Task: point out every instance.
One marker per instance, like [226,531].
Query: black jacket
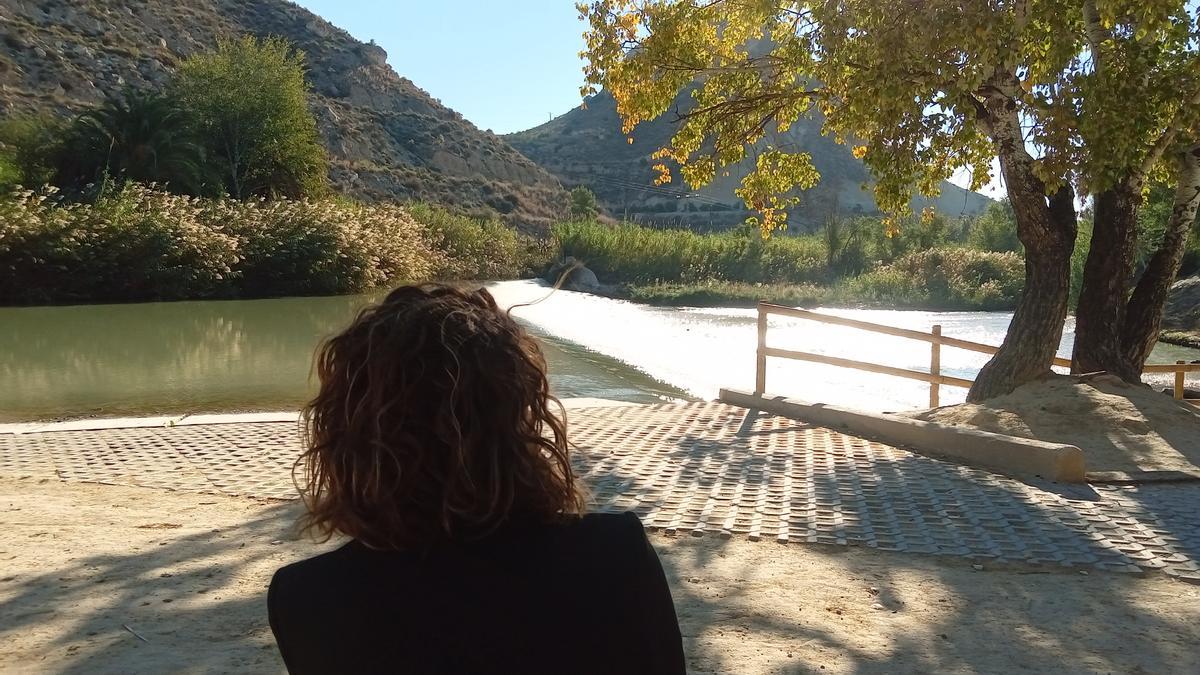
[589,596]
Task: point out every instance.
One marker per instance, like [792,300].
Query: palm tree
[138,136]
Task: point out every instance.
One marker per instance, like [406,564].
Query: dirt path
[188,573]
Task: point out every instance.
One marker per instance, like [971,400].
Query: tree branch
[1094,30]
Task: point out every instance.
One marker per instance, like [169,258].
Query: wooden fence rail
[936,340]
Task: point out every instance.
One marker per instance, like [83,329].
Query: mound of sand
[1120,427]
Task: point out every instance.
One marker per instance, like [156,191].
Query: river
[216,356]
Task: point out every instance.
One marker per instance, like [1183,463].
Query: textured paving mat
[713,468]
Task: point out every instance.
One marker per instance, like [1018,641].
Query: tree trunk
[1036,329]
[1143,316]
[1047,229]
[1106,279]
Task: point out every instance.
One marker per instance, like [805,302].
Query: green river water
[224,356]
[214,356]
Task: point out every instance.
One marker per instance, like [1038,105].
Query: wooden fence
[936,341]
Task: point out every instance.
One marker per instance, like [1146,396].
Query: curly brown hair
[433,423]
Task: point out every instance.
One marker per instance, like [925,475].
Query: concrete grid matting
[712,468]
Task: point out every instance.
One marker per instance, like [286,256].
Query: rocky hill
[586,147]
[1182,312]
[387,138]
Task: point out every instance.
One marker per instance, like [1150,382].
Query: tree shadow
[1036,618]
[1029,608]
[996,620]
[149,611]
[1182,437]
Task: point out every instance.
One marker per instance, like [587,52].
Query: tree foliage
[583,204]
[1093,97]
[1153,222]
[250,102]
[995,230]
[137,136]
[29,146]
[906,83]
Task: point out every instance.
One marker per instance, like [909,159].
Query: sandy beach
[102,578]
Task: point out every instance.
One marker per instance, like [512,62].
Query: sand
[89,568]
[1120,427]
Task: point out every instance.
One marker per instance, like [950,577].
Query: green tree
[1153,221]
[995,229]
[9,176]
[138,136]
[583,204]
[28,148]
[250,101]
[1091,96]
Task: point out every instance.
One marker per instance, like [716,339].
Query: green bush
[732,294]
[29,147]
[583,204]
[945,278]
[635,254]
[470,248]
[137,137]
[1083,242]
[995,229]
[10,176]
[323,247]
[249,99]
[137,244]
[143,244]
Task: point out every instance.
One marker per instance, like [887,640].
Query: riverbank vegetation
[139,244]
[933,263]
[970,263]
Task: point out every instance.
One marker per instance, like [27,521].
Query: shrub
[995,229]
[945,278]
[583,204]
[323,247]
[137,136]
[29,147]
[10,175]
[136,244]
[635,254]
[1083,243]
[250,102]
[470,248]
[143,244]
[732,294]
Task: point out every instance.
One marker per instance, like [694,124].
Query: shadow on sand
[198,597]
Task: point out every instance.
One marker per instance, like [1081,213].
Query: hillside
[586,147]
[387,138]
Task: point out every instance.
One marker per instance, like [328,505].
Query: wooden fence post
[935,366]
[1179,380]
[760,371]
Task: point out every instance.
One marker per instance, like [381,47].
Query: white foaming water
[702,350]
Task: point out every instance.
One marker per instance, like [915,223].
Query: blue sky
[506,65]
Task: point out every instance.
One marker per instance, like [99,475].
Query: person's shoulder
[317,567]
[612,532]
[616,524]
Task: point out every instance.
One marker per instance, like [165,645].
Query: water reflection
[180,357]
